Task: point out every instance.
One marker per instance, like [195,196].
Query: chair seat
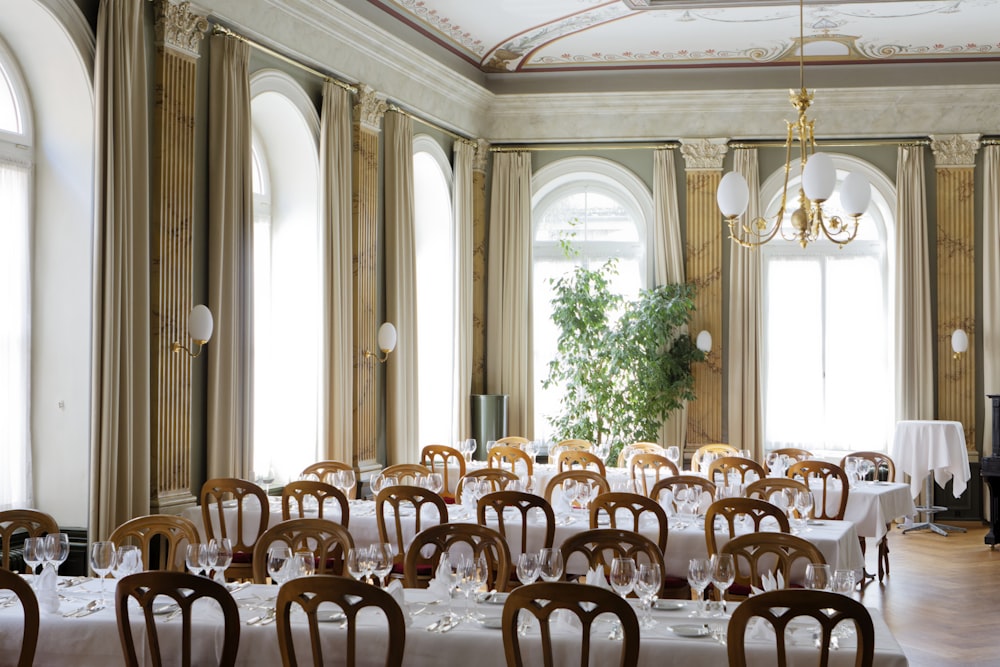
[422,570]
[242,557]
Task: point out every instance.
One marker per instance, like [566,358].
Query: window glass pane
[587,215]
[10,117]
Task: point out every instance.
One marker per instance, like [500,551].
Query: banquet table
[93,640]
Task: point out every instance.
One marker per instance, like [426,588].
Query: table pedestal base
[929,511]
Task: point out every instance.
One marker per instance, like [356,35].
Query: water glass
[359,563]
[804,505]
[56,549]
[278,563]
[195,556]
[33,552]
[527,567]
[102,559]
[699,576]
[623,574]
[723,575]
[303,565]
[434,482]
[843,581]
[648,581]
[550,564]
[818,576]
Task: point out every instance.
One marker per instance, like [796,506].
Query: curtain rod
[837,143]
[513,148]
[409,114]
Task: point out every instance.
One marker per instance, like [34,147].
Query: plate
[331,618]
[689,630]
[813,522]
[161,609]
[668,605]
[492,622]
[498,598]
[230,503]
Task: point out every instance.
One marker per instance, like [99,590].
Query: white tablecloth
[922,447]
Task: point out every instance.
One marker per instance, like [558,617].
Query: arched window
[287,295]
[827,378]
[434,238]
[604,211]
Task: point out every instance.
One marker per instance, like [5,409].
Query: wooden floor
[942,597]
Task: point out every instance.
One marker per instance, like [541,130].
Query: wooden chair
[506,457]
[724,466]
[576,443]
[825,472]
[406,473]
[570,458]
[636,507]
[330,543]
[398,497]
[766,488]
[585,476]
[644,463]
[668,483]
[184,589]
[351,597]
[880,461]
[794,452]
[758,553]
[294,495]
[497,477]
[11,581]
[778,608]
[164,535]
[325,470]
[600,546]
[425,551]
[32,522]
[717,448]
[638,448]
[512,440]
[441,458]
[730,509]
[215,494]
[585,602]
[523,503]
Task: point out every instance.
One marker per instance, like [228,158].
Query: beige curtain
[338,376]
[914,334]
[745,324]
[401,399]
[508,296]
[991,282]
[119,466]
[230,268]
[462,208]
[668,262]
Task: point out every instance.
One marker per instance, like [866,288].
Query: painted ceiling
[518,36]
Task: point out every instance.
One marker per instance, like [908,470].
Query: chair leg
[883,556]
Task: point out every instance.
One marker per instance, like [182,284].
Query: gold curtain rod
[409,114]
[512,148]
[834,143]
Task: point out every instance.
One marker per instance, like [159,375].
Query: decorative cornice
[370,108]
[703,154]
[178,28]
[954,150]
[481,155]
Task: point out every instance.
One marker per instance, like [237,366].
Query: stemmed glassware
[570,492]
[199,558]
[648,581]
[818,576]
[550,564]
[865,468]
[128,560]
[345,481]
[472,574]
[674,454]
[434,482]
[56,549]
[527,567]
[699,576]
[360,564]
[278,563]
[723,575]
[804,505]
[267,479]
[382,558]
[33,553]
[223,557]
[102,559]
[303,565]
[622,580]
[468,449]
[531,449]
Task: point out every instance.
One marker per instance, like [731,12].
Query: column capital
[178,28]
[481,155]
[704,154]
[370,108]
[954,150]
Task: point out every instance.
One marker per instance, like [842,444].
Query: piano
[990,471]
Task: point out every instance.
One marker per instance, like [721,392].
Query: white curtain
[745,324]
[338,364]
[914,334]
[991,283]
[508,301]
[119,465]
[668,262]
[401,398]
[15,338]
[462,207]
[230,268]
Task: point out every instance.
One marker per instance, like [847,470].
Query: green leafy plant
[622,366]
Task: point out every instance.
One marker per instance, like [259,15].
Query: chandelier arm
[835,236]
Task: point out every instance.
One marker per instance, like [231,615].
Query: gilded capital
[481,155]
[955,150]
[179,28]
[703,154]
[370,108]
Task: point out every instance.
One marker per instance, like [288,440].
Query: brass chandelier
[819,179]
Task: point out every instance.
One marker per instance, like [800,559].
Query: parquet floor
[942,598]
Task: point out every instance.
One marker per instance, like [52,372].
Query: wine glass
[56,549]
[723,574]
[267,479]
[818,576]
[527,567]
[303,564]
[469,449]
[674,454]
[865,468]
[33,553]
[345,481]
[383,558]
[102,559]
[804,505]
[128,560]
[569,492]
[623,574]
[434,482]
[223,558]
[360,563]
[531,449]
[278,563]
[195,556]
[699,576]
[647,585]
[851,469]
[550,564]
[471,577]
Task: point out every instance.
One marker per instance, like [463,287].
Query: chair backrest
[723,467]
[165,535]
[216,494]
[514,440]
[351,597]
[11,581]
[32,522]
[427,546]
[638,448]
[826,473]
[600,546]
[184,590]
[756,554]
[768,487]
[576,443]
[716,448]
[644,464]
[524,503]
[569,459]
[778,608]
[324,471]
[637,507]
[668,483]
[406,473]
[585,602]
[497,477]
[555,482]
[507,457]
[441,458]
[398,498]
[794,452]
[752,509]
[880,461]
[330,543]
[296,495]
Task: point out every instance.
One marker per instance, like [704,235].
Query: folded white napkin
[595,577]
[706,500]
[440,585]
[559,504]
[395,589]
[45,589]
[666,501]
[769,582]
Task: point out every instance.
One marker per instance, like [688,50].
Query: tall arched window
[604,211]
[827,379]
[434,238]
[287,296]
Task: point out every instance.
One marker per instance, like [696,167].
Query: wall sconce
[704,341]
[386,342]
[200,325]
[959,343]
